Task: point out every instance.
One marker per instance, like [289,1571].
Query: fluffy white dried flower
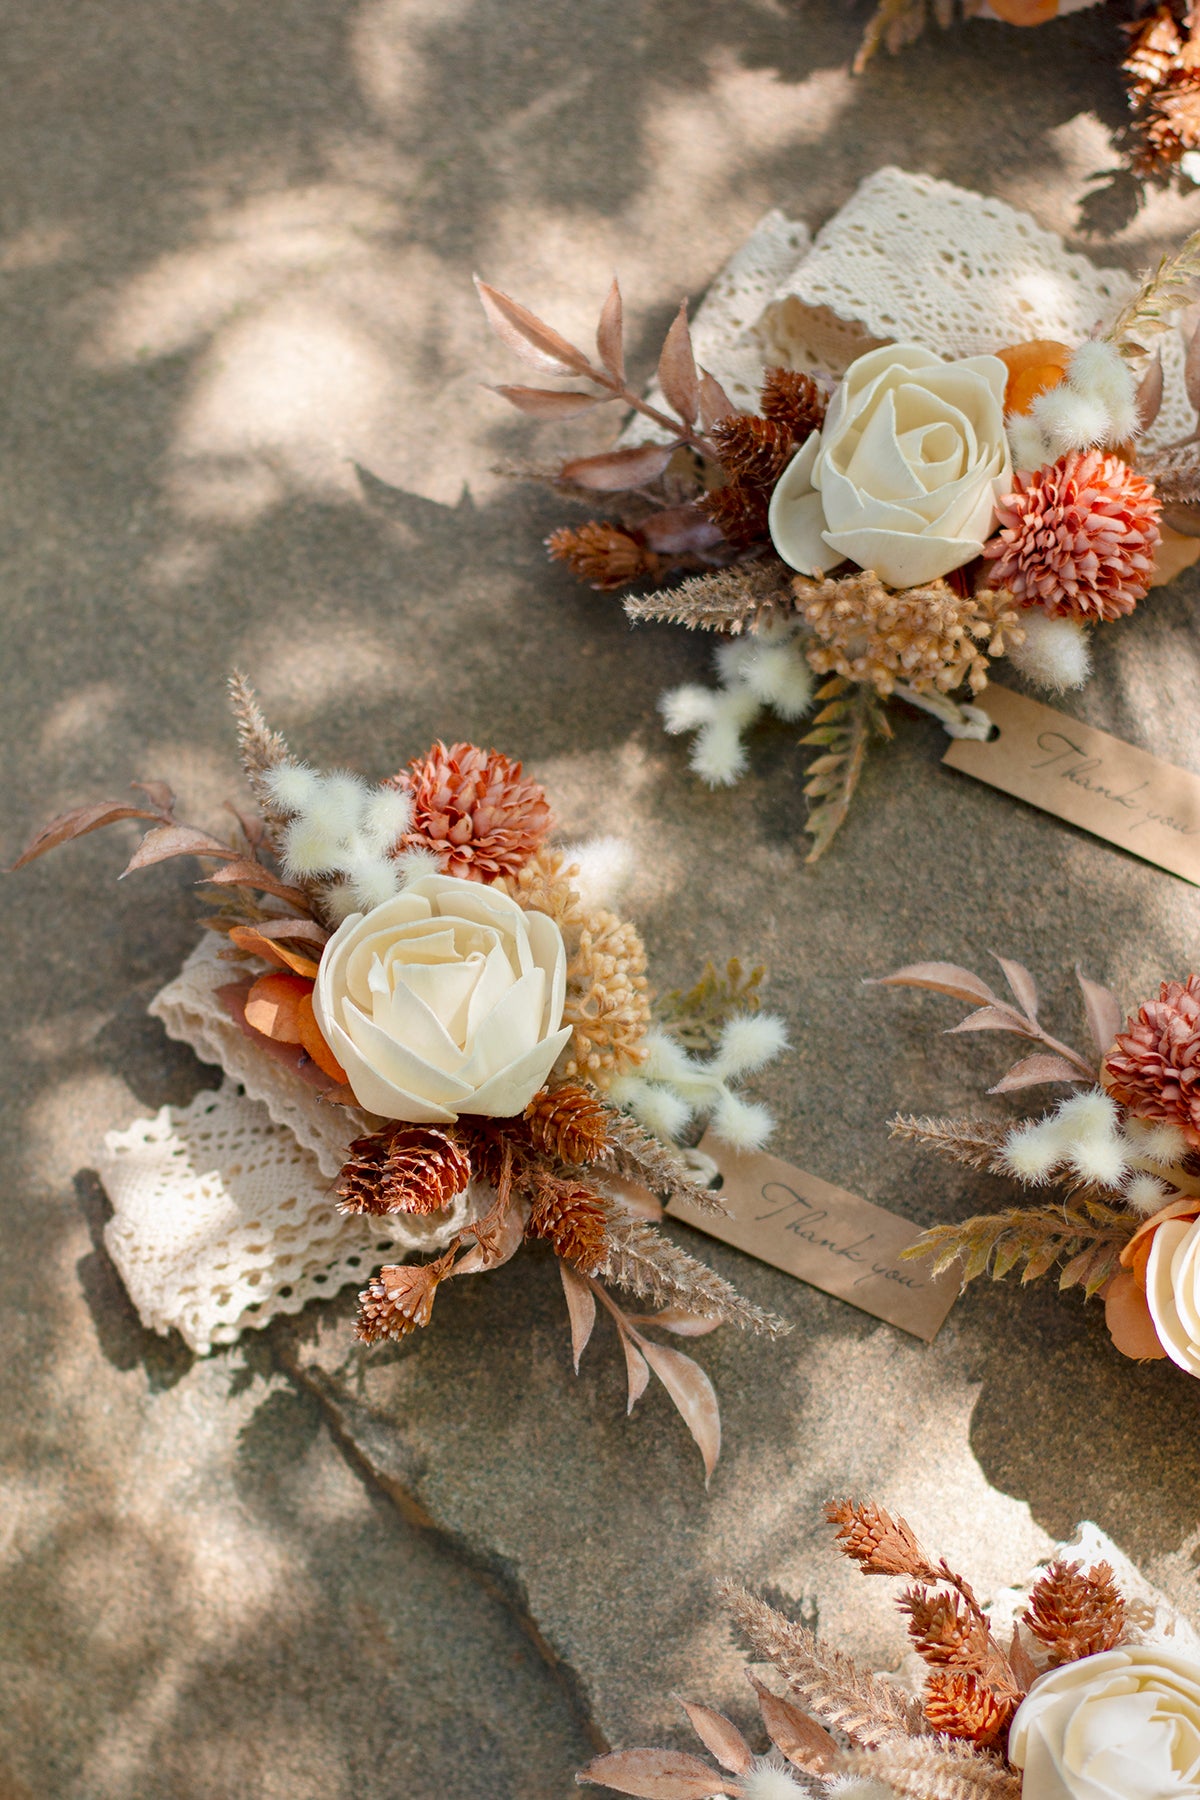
[291,785]
[1159,1142]
[1055,653]
[746,1124]
[769,1779]
[1145,1194]
[1099,369]
[747,1042]
[385,817]
[603,867]
[686,708]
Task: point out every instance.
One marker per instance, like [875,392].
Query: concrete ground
[241,423]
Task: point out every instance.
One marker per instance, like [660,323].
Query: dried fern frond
[643,1262]
[745,597]
[869,1710]
[976,1143]
[638,1155]
[844,727]
[1034,1238]
[1152,309]
[935,1768]
[697,1016]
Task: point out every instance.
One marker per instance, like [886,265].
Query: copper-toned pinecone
[602,555]
[489,1143]
[794,401]
[1076,1614]
[965,1707]
[1154,1066]
[943,1629]
[399,1299]
[571,1218]
[568,1122]
[403,1168]
[880,1544]
[1169,124]
[753,451]
[738,512]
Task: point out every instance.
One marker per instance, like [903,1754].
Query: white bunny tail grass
[1056,653]
[748,1041]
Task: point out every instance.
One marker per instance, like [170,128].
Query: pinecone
[1170,123]
[1154,47]
[881,1544]
[602,555]
[1076,1614]
[944,1630]
[794,401]
[485,1141]
[399,1299]
[739,513]
[965,1707]
[568,1122]
[402,1168]
[571,1218]
[753,451]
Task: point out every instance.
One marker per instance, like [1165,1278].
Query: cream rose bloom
[1173,1290]
[447,999]
[1124,1725]
[904,475]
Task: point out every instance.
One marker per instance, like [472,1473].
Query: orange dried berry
[1033,369]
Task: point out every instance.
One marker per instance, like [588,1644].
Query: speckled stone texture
[241,423]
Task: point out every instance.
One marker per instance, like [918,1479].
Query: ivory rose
[1173,1290]
[1124,1725]
[904,475]
[444,1000]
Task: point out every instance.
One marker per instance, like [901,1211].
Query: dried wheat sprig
[260,749]
[976,1143]
[868,1710]
[742,598]
[1085,1234]
[1150,312]
[638,1155]
[645,1263]
[935,1768]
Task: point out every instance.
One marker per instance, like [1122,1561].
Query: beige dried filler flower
[926,637]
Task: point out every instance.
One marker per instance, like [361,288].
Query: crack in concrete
[496,1576]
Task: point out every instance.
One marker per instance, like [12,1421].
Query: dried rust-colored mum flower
[402,1168]
[608,1000]
[475,810]
[569,1123]
[1154,1066]
[753,451]
[739,513]
[929,637]
[1078,537]
[795,400]
[399,1299]
[602,555]
[1076,1613]
[963,1706]
[571,1218]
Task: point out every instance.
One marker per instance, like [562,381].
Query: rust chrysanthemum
[475,810]
[1077,537]
[1154,1066]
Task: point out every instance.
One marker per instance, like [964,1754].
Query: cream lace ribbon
[223,1213]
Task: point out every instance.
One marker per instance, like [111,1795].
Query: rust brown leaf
[1150,389]
[77,823]
[637,1371]
[941,978]
[1022,984]
[678,375]
[1020,1661]
[533,340]
[653,1775]
[720,1736]
[166,841]
[680,529]
[1103,1011]
[550,403]
[1034,1069]
[1000,1017]
[715,404]
[256,943]
[299,931]
[504,1243]
[581,1309]
[244,873]
[158,793]
[804,1742]
[675,1319]
[610,334]
[693,1395]
[615,470]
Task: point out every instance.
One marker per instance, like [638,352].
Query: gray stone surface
[235,249]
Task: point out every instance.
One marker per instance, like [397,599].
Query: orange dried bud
[1033,369]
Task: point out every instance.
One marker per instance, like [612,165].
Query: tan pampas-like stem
[638,1155]
[869,1710]
[260,748]
[742,598]
[976,1143]
[643,1262]
[935,1769]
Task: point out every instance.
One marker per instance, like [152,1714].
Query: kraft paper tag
[1088,778]
[834,1240]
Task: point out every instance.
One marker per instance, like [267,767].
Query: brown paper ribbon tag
[836,1241]
[1088,778]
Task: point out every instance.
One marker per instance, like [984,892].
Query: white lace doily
[914,259]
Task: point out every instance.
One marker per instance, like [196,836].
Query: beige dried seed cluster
[927,637]
[608,999]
